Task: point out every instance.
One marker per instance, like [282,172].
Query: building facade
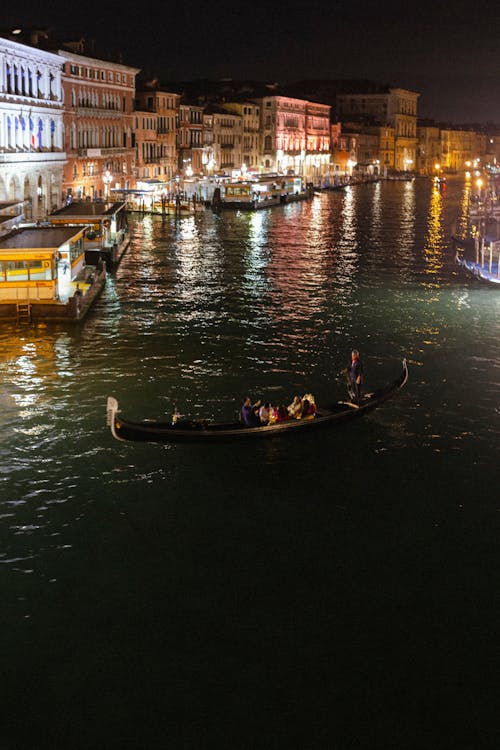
[250,114]
[98,99]
[165,106]
[147,146]
[394,107]
[227,140]
[190,140]
[32,153]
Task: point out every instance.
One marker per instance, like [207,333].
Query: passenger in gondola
[295,408]
[250,413]
[308,405]
[264,413]
[355,372]
[282,414]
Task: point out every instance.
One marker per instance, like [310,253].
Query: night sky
[447,51]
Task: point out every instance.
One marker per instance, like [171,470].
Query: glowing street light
[106,178]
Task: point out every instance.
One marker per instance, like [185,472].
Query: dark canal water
[336,590]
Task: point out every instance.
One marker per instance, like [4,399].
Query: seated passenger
[264,413]
[282,414]
[273,414]
[311,405]
[249,413]
[295,408]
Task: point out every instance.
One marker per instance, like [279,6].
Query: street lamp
[107,177]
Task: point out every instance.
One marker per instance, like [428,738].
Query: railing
[33,156]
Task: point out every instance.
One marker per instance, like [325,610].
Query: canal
[338,589]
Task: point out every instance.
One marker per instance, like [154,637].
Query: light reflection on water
[206,308]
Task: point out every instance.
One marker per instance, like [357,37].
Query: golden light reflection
[433,249]
[407,228]
[463,211]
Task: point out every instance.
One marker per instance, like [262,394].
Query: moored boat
[201,430]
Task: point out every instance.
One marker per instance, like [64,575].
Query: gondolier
[355,372]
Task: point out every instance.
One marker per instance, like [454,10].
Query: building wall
[227,141]
[250,113]
[165,104]
[31,128]
[190,140]
[98,99]
[394,107]
[147,160]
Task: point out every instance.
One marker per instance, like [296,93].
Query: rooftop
[38,238]
[87,210]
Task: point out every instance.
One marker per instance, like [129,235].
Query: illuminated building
[295,137]
[31,127]
[165,106]
[227,129]
[429,150]
[190,140]
[457,147]
[147,146]
[344,153]
[98,99]
[250,114]
[386,106]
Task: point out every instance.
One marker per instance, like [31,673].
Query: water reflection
[406,234]
[434,241]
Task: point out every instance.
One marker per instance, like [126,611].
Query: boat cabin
[40,263]
[106,222]
[265,190]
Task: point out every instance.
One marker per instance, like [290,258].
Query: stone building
[386,106]
[295,136]
[250,114]
[98,97]
[190,140]
[165,106]
[429,150]
[31,127]
[227,130]
[147,146]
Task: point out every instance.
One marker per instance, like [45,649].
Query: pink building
[295,137]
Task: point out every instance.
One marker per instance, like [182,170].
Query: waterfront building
[190,140]
[147,147]
[459,149]
[208,156]
[317,156]
[428,150]
[295,136]
[98,99]
[344,153]
[164,105]
[386,106]
[283,134]
[250,114]
[31,128]
[227,128]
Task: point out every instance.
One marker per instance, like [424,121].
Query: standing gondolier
[355,373]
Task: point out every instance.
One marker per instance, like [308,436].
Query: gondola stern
[111,412]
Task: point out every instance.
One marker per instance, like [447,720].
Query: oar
[350,390]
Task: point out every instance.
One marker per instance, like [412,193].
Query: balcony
[94,153]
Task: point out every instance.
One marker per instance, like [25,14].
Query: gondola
[200,430]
